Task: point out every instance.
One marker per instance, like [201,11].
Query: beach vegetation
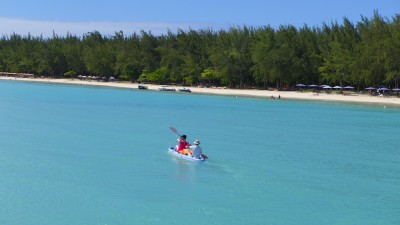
[158,76]
[70,74]
[210,76]
[363,53]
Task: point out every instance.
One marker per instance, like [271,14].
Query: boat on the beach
[143,87]
[189,157]
[166,88]
[184,90]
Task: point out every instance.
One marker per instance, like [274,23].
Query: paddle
[173,129]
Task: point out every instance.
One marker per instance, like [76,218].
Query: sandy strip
[352,98]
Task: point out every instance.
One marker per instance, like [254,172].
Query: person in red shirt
[183,144]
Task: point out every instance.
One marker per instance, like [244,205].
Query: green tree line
[366,53]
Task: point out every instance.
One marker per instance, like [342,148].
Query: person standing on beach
[183,144]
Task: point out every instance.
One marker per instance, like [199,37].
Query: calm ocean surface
[94,156]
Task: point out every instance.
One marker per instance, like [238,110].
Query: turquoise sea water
[85,155]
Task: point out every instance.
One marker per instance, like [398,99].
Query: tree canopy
[366,53]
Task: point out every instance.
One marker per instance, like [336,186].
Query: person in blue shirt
[196,149]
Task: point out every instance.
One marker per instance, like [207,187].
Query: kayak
[166,88]
[172,151]
[184,90]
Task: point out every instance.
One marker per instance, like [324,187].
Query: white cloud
[61,28]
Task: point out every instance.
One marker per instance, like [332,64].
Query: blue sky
[81,16]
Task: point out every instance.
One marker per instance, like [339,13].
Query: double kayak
[172,151]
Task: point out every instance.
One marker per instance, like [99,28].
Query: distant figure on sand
[273,97]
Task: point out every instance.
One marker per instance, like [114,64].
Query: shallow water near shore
[86,155]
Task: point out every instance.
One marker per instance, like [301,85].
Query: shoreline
[294,95]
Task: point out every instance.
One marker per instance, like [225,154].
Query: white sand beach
[349,97]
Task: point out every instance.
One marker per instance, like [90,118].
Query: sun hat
[196,142]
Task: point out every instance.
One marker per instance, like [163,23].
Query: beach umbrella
[337,87]
[300,85]
[383,89]
[348,87]
[312,85]
[397,90]
[326,87]
[370,88]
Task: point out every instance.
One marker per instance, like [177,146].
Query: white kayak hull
[172,151]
